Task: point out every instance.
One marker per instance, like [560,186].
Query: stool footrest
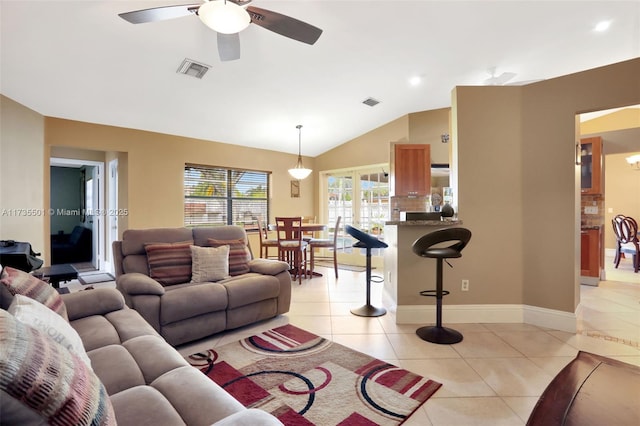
[439,335]
[433,293]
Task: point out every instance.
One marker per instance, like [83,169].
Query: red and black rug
[304,379]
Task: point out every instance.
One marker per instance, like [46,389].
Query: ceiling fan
[228,18]
[497,80]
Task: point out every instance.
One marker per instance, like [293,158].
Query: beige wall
[622,193]
[155,167]
[22,162]
[518,183]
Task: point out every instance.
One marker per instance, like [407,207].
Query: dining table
[305,228]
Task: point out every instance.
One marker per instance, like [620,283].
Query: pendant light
[299,171]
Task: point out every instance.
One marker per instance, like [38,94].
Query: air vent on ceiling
[193,68]
[371,102]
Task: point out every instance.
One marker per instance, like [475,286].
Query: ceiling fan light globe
[224,17]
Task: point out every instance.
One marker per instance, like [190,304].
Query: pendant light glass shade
[299,171]
[223,16]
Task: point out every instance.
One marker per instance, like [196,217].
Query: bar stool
[430,245]
[368,242]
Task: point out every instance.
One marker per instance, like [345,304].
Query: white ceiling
[78,60]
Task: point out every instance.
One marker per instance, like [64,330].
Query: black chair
[433,245]
[368,242]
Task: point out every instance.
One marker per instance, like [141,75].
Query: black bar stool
[430,245]
[368,242]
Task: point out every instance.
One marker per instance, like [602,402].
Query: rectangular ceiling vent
[371,102]
[193,68]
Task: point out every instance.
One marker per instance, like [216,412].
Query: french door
[361,197]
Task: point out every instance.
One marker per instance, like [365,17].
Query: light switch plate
[591,210]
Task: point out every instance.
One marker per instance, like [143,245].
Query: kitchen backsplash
[593,203]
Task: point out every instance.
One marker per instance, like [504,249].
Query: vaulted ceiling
[78,60]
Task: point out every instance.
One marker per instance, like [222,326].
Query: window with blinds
[216,196]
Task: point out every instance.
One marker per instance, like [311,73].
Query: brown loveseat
[145,380]
[183,311]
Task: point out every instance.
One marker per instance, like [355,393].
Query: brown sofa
[185,311]
[147,381]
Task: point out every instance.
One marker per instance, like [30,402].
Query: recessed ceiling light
[414,81]
[602,26]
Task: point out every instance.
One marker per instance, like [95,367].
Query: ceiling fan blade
[284,25]
[229,46]
[159,13]
[500,79]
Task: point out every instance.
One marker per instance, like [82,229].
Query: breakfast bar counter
[406,274]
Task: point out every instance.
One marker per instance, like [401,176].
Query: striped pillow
[20,282]
[239,255]
[47,380]
[169,263]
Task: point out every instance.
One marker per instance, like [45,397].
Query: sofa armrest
[268,266]
[98,301]
[137,283]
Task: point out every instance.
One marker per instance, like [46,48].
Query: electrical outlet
[465,285]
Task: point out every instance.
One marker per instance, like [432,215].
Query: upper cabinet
[591,165]
[412,168]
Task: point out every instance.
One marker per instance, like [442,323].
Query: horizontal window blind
[216,196]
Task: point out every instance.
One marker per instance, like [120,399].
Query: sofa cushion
[157,409]
[169,263]
[36,315]
[190,300]
[20,282]
[116,367]
[239,255]
[250,288]
[209,263]
[49,379]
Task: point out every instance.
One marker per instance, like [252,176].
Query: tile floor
[495,375]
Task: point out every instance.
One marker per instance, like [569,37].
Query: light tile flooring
[495,375]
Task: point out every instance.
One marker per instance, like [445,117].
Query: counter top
[424,222]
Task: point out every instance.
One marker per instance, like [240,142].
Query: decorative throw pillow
[20,282]
[48,379]
[209,263]
[239,255]
[38,316]
[169,263]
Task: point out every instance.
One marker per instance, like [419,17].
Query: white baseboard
[457,314]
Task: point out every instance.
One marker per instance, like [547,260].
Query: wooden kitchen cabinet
[590,255]
[591,165]
[412,168]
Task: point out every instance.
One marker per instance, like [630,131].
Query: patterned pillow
[239,255]
[209,263]
[169,263]
[20,282]
[38,316]
[48,379]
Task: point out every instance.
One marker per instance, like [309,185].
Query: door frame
[98,238]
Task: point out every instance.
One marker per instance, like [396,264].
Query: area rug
[95,278]
[304,379]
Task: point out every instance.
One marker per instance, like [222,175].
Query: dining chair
[625,229]
[291,247]
[265,241]
[327,243]
[308,235]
